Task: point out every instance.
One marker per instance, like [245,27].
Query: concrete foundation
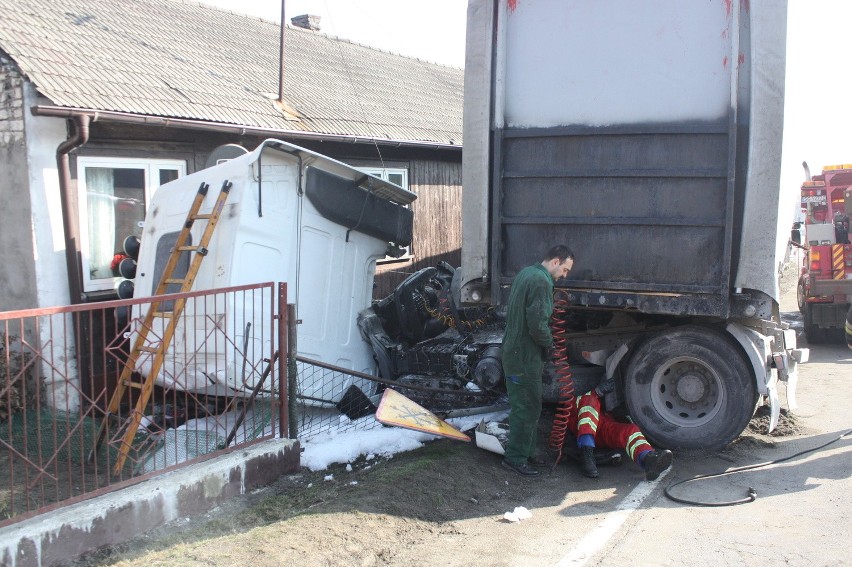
[64,534]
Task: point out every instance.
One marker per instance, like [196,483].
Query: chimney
[306,21]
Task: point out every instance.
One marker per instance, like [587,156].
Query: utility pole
[281,58]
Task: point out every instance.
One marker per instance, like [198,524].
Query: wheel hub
[687,392]
[690,387]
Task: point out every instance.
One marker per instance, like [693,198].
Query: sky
[817,117]
[432,30]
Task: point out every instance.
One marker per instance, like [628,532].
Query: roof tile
[182,59]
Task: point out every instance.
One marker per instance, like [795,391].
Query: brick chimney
[306,21]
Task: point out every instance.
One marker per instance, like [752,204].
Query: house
[102,102]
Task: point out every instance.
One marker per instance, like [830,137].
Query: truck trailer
[647,138]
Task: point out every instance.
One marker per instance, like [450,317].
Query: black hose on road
[752,493]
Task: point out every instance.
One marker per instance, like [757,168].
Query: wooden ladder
[158,347]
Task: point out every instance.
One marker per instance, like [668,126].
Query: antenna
[281,57]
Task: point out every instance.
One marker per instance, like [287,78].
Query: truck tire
[813,333]
[800,296]
[690,388]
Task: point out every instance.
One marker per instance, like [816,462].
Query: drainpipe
[69,217]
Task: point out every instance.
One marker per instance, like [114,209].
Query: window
[397,176]
[113,195]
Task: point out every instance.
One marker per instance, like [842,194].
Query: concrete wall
[43,137]
[60,536]
[45,257]
[17,277]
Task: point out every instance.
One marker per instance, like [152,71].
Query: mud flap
[774,407]
[788,371]
[792,379]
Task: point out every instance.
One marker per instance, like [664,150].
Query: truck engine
[449,356]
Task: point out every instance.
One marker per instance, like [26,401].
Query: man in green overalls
[525,346]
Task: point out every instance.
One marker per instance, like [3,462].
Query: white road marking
[603,532]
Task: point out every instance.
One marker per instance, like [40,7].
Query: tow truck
[824,292]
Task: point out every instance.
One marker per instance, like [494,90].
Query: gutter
[131,118]
[69,216]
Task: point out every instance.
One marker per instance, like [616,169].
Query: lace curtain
[100,199]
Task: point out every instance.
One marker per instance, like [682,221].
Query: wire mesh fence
[328,399]
[219,388]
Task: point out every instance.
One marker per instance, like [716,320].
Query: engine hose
[565,384]
[442,314]
[445,315]
[752,493]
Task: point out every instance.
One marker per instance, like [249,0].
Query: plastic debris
[518,514]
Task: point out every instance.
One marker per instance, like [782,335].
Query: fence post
[291,369]
[283,357]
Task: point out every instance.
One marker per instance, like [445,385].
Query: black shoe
[588,465]
[522,469]
[656,462]
[537,462]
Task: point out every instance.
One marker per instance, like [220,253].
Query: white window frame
[384,173]
[152,182]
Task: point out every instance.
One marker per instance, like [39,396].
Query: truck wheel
[690,388]
[800,296]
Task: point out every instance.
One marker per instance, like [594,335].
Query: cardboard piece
[396,409]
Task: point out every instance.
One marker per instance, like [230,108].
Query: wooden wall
[437,222]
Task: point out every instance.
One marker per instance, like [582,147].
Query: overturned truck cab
[294,216]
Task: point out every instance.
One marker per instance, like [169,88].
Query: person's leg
[525,409]
[588,417]
[616,434]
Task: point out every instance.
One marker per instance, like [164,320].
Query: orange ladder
[157,347]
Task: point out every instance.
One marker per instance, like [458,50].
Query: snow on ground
[328,448]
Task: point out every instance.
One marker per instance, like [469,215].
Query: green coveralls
[524,345]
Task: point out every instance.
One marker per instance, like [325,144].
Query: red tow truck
[825,286]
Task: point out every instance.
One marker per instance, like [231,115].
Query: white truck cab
[293,216]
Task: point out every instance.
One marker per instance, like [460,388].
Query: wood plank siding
[437,222]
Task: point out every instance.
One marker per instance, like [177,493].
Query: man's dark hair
[559,251]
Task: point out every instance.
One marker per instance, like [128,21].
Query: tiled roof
[181,59]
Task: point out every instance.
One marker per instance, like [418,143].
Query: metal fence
[325,398]
[219,388]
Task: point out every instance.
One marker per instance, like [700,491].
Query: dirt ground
[385,512]
[441,504]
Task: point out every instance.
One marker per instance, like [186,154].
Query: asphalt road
[802,512]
